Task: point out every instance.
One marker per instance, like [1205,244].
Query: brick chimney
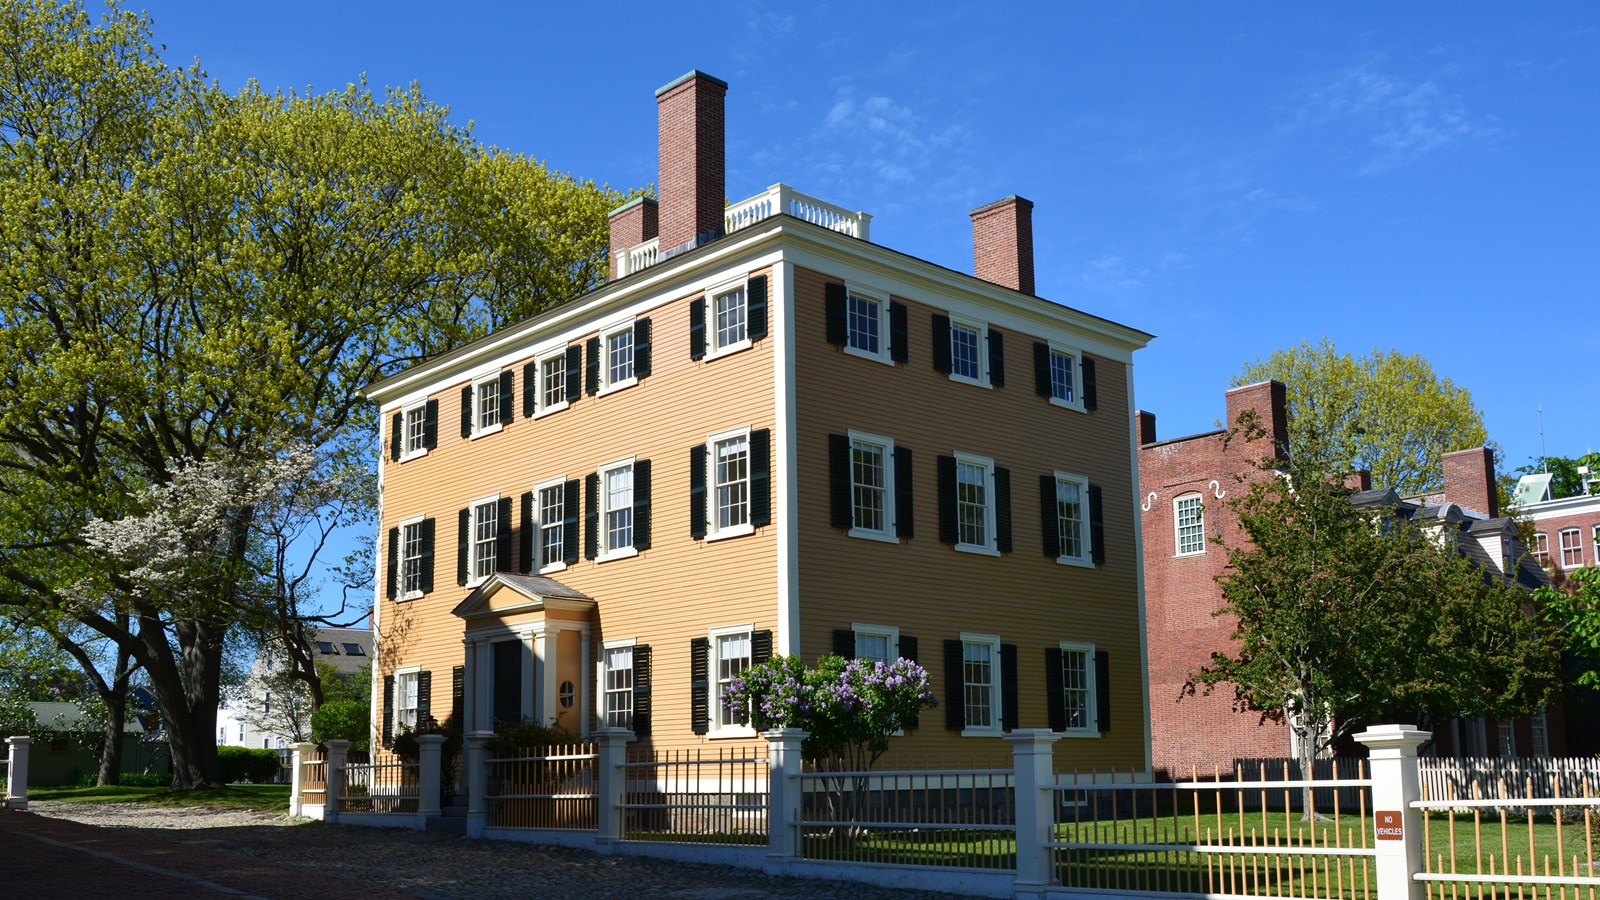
[692,182]
[1002,243]
[1469,480]
[1269,402]
[1147,427]
[632,224]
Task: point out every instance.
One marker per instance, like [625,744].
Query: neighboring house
[1186,482]
[768,435]
[262,714]
[63,749]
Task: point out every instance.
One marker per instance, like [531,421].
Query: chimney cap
[1003,201]
[690,76]
[631,204]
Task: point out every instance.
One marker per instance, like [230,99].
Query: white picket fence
[1504,777]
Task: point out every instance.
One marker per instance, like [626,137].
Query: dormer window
[326,648]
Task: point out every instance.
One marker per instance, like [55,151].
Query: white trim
[1561,544]
[996,693]
[420,407]
[988,548]
[715,731]
[1076,403]
[982,328]
[1085,537]
[478,429]
[890,531]
[882,299]
[605,552]
[713,533]
[715,350]
[1091,710]
[1138,575]
[539,359]
[401,595]
[398,694]
[545,567]
[1177,526]
[892,632]
[785,478]
[473,579]
[607,386]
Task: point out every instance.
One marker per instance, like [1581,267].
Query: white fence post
[297,777]
[1033,757]
[477,781]
[1398,827]
[611,750]
[333,778]
[430,749]
[17,772]
[783,793]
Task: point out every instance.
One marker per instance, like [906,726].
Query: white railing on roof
[639,256]
[781,198]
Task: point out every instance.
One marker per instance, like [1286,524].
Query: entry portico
[527,652]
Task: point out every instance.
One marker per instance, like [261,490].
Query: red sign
[1389,827]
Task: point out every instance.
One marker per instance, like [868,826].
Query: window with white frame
[866,330]
[967,352]
[877,643]
[871,486]
[616,369]
[1189,515]
[980,682]
[485,532]
[486,402]
[415,434]
[1571,548]
[616,501]
[1508,738]
[1077,686]
[730,320]
[411,559]
[405,699]
[552,382]
[1539,733]
[730,478]
[619,686]
[1064,378]
[551,498]
[1072,518]
[1594,548]
[732,649]
[1541,549]
[974,503]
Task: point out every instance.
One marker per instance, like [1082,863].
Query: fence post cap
[304,746]
[780,734]
[20,740]
[1039,736]
[1380,737]
[430,740]
[337,745]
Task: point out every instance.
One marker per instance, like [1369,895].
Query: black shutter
[1091,399]
[899,333]
[424,700]
[525,536]
[394,561]
[1041,370]
[949,533]
[591,515]
[507,388]
[458,694]
[1050,517]
[592,373]
[997,358]
[1002,509]
[466,411]
[574,372]
[955,701]
[641,504]
[697,328]
[426,560]
[502,536]
[569,522]
[903,520]
[1097,526]
[908,651]
[843,510]
[844,643]
[396,433]
[463,547]
[1010,698]
[697,491]
[1102,690]
[941,343]
[700,685]
[1055,689]
[530,390]
[834,305]
[430,425]
[761,477]
[641,690]
[756,308]
[641,348]
[760,647]
[387,737]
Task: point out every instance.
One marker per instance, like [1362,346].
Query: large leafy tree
[191,277]
[1574,609]
[1386,412]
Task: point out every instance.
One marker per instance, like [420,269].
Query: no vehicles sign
[1389,826]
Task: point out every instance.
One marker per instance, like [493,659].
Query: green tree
[194,285]
[1574,610]
[1387,413]
[1347,617]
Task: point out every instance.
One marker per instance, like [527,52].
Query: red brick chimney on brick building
[692,181]
[1002,243]
[1469,480]
[1268,400]
[632,224]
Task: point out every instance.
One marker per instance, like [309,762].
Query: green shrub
[515,737]
[259,766]
[345,720]
[129,779]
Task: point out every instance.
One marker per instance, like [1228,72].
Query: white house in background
[239,720]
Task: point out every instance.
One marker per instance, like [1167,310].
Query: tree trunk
[189,691]
[116,701]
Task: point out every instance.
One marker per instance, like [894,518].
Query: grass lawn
[272,798]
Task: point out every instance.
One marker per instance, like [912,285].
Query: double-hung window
[616,362]
[619,684]
[405,699]
[877,643]
[616,509]
[980,683]
[975,518]
[552,382]
[872,486]
[485,533]
[411,541]
[1064,389]
[1078,687]
[1571,548]
[1072,518]
[866,325]
[550,505]
[967,352]
[730,480]
[1189,522]
[731,655]
[730,320]
[486,402]
[1541,549]
[414,432]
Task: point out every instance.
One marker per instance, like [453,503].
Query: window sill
[413,595]
[414,454]
[881,536]
[473,583]
[553,567]
[875,357]
[1075,561]
[1189,554]
[1068,404]
[550,410]
[732,732]
[975,382]
[729,350]
[485,432]
[724,534]
[623,553]
[974,548]
[622,385]
[980,732]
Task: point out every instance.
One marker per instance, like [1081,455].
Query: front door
[508,684]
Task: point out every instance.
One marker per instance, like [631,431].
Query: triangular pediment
[504,592]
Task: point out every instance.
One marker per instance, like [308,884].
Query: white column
[1397,826]
[297,777]
[477,781]
[338,753]
[536,674]
[17,772]
[484,718]
[1034,777]
[429,755]
[612,747]
[783,793]
[469,686]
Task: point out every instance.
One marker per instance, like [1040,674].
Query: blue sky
[1232,177]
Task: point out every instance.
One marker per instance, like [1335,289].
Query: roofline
[1566,506]
[1178,440]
